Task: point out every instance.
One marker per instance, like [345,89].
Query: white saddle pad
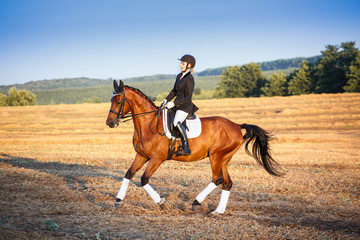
[194,126]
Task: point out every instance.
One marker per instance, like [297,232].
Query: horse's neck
[140,104]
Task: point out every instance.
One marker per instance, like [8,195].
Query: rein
[120,115]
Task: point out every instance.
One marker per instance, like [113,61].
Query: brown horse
[219,140]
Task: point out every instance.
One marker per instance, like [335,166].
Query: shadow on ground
[72,173]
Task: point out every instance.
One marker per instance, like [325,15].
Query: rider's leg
[180,117]
[185,149]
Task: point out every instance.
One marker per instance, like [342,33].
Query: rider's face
[183,66]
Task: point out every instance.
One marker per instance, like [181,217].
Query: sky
[42,39]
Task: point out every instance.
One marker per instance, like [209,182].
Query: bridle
[120,114]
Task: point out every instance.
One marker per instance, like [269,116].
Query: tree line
[17,98]
[336,72]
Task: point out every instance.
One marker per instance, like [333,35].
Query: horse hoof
[162,203]
[216,213]
[195,205]
[118,204]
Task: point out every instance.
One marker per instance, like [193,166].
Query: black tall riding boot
[185,149]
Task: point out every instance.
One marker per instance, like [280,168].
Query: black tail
[260,149]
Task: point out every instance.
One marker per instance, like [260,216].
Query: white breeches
[180,116]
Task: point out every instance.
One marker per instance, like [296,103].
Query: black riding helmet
[189,59]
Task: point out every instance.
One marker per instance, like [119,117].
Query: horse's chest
[138,143]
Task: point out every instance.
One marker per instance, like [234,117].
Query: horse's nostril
[113,123]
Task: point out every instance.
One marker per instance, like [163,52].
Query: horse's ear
[121,87]
[116,86]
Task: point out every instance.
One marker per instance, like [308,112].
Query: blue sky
[42,39]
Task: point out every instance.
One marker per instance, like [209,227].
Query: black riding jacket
[183,90]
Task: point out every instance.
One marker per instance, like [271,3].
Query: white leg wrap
[122,192]
[201,196]
[223,201]
[153,194]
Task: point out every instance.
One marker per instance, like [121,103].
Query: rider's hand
[170,105]
[163,103]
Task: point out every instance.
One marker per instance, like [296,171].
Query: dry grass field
[61,167]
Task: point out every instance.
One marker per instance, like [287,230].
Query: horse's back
[218,120]
[218,124]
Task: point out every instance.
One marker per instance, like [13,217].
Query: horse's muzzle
[113,123]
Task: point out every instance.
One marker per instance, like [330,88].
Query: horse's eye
[118,103]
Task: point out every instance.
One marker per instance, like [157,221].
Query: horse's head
[118,107]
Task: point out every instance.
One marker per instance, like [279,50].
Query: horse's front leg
[152,166]
[137,164]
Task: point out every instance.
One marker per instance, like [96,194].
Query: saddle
[170,122]
[192,125]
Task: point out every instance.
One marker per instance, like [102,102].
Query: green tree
[240,81]
[13,96]
[348,55]
[277,86]
[26,98]
[20,98]
[353,85]
[327,71]
[3,100]
[301,82]
[333,68]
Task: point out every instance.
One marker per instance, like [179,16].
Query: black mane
[141,93]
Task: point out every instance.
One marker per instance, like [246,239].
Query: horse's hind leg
[220,176]
[217,180]
[225,193]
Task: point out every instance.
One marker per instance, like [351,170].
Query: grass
[61,167]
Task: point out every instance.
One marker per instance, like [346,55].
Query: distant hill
[280,64]
[57,84]
[153,78]
[79,82]
[104,92]
[287,63]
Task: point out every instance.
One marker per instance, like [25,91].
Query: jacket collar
[183,75]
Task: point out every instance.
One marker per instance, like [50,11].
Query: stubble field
[61,167]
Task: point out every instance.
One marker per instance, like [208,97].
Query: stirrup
[118,203]
[181,152]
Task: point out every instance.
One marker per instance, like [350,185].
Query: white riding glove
[170,105]
[163,103]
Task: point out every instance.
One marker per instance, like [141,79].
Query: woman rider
[183,91]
